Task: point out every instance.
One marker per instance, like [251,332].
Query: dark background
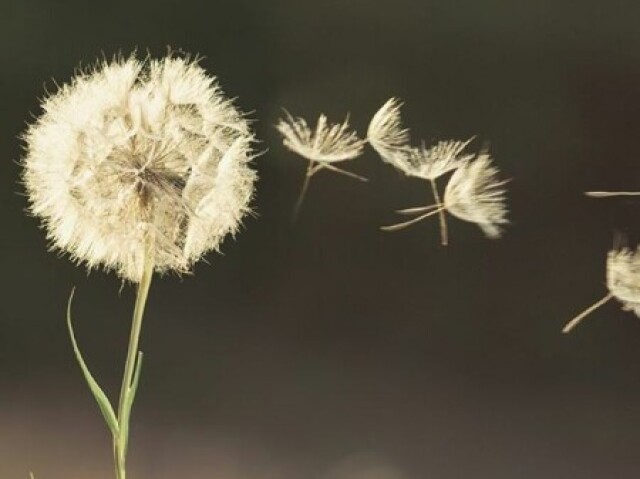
[327,349]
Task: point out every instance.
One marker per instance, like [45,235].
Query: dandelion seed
[430,164]
[474,193]
[386,134]
[327,145]
[133,150]
[623,283]
[392,142]
[433,162]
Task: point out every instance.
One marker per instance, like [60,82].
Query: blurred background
[324,348]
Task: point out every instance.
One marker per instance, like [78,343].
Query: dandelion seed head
[623,278]
[136,153]
[328,143]
[474,193]
[387,135]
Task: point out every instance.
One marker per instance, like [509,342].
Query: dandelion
[474,193]
[623,283]
[323,148]
[138,167]
[133,152]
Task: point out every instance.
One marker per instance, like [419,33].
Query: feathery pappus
[323,147]
[387,136]
[135,153]
[623,283]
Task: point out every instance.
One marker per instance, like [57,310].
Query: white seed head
[623,278]
[135,154]
[475,194]
[329,143]
[387,136]
[431,163]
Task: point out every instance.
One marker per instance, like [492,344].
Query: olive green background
[325,348]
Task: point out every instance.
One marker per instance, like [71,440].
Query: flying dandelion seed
[431,163]
[387,136]
[323,148]
[138,167]
[474,194]
[623,283]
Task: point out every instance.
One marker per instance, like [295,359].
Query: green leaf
[134,384]
[98,393]
[128,404]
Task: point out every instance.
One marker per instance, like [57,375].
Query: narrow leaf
[125,415]
[136,378]
[98,394]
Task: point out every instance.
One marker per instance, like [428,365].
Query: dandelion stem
[604,194]
[417,209]
[311,170]
[345,172]
[404,224]
[132,367]
[444,232]
[574,322]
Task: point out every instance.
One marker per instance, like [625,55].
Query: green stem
[131,369]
